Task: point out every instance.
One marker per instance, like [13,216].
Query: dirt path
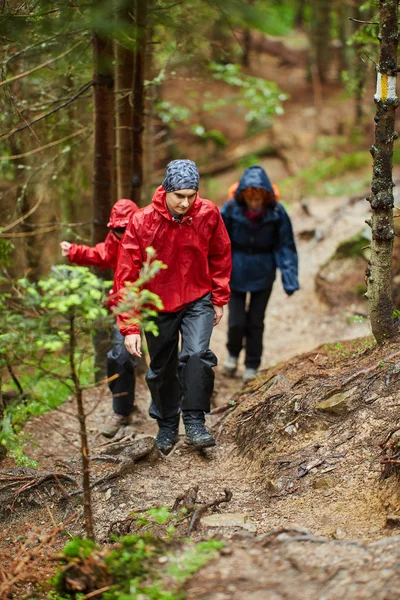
[293,325]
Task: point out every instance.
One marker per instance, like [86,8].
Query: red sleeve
[103,255]
[220,263]
[130,261]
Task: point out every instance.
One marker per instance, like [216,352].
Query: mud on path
[294,325]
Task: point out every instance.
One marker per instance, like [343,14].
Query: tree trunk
[299,18]
[3,450]
[103,137]
[123,109]
[103,171]
[320,37]
[138,99]
[379,272]
[87,502]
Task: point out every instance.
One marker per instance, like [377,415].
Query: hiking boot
[249,374]
[230,365]
[166,438]
[196,433]
[115,423]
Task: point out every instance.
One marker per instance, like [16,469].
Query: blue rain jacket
[258,248]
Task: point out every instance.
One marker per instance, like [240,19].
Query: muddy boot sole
[200,445]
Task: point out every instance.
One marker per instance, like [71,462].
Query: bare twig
[5,136]
[199,512]
[41,66]
[50,145]
[363,22]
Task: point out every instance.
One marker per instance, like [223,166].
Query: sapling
[50,323]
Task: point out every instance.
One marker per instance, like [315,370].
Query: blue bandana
[181,175]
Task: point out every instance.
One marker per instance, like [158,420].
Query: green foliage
[324,170]
[45,336]
[79,548]
[6,250]
[194,559]
[354,246]
[171,114]
[258,98]
[141,566]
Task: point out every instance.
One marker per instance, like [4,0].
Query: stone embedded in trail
[338,403]
[229,520]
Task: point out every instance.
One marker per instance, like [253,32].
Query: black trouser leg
[196,359]
[162,376]
[120,362]
[255,327]
[236,323]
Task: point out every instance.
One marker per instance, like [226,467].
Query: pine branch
[5,136]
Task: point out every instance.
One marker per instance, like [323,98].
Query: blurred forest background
[97,97]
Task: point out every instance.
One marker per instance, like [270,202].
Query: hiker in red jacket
[119,361]
[189,236]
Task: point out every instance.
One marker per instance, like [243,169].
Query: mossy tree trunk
[379,272]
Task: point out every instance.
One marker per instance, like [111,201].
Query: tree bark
[379,272]
[3,450]
[87,502]
[123,109]
[103,98]
[320,37]
[138,99]
[103,171]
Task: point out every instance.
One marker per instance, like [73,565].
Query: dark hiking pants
[246,327]
[121,363]
[181,380]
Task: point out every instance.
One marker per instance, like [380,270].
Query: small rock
[339,534]
[271,486]
[108,494]
[338,403]
[291,429]
[229,520]
[324,483]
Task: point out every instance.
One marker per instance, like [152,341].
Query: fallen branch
[199,512]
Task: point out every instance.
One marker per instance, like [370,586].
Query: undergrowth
[140,566]
[41,394]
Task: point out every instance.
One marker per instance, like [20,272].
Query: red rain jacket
[196,250]
[104,255]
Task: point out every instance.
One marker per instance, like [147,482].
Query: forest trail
[293,325]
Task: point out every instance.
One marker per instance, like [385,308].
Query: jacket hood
[160,204]
[121,212]
[254,177]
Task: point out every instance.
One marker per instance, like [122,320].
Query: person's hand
[133,343]
[65,246]
[218,312]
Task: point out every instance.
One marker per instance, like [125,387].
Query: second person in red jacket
[189,236]
[119,361]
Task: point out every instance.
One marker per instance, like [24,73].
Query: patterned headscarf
[181,175]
